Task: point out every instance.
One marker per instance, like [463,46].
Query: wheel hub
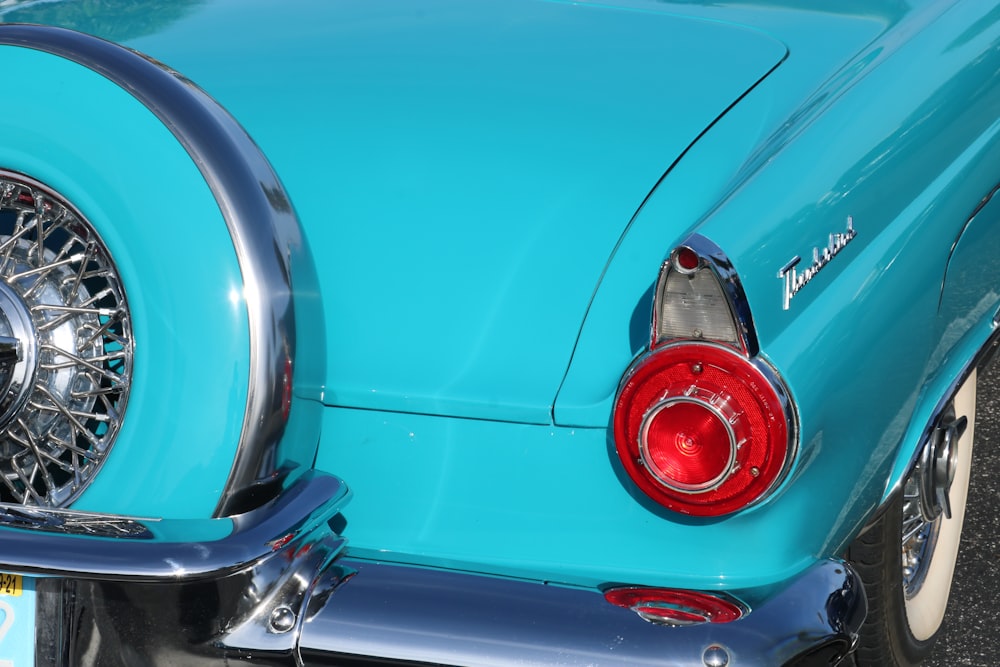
[18,353]
[927,497]
[937,467]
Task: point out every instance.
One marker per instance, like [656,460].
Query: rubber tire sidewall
[885,636]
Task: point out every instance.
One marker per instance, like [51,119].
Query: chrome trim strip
[961,232]
[714,258]
[257,210]
[389,614]
[64,543]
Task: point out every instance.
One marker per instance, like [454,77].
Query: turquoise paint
[113,159]
[868,326]
[451,197]
[533,501]
[723,162]
[365,160]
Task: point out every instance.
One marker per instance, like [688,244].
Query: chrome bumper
[269,587]
[399,615]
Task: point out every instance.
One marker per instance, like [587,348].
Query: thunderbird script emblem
[794,281]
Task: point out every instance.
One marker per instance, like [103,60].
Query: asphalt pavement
[971,633]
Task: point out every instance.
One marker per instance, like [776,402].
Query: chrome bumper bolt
[282,620]
[715,656]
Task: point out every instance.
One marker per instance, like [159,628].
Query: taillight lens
[702,429]
[670,606]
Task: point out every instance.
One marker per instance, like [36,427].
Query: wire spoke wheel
[65,347]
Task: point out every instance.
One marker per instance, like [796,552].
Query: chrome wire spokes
[917,537]
[65,347]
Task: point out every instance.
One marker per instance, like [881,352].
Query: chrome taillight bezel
[761,434]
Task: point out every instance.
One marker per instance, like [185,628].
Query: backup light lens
[692,305]
[701,429]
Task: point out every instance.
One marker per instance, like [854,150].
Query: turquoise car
[496,332]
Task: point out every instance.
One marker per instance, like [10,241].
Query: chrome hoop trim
[264,229]
[692,489]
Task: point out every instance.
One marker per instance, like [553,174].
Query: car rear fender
[966,328]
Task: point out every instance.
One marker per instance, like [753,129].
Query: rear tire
[907,563]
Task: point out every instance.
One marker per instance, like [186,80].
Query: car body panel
[490,191]
[905,219]
[539,502]
[827,324]
[398,343]
[475,143]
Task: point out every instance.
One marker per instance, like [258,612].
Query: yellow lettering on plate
[10,584]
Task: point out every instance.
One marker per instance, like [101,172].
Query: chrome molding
[386,614]
[961,232]
[261,222]
[715,259]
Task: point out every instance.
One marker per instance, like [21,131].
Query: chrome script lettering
[794,281]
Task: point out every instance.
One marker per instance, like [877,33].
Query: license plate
[17,621]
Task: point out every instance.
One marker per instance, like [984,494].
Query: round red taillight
[701,429]
[687,444]
[676,607]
